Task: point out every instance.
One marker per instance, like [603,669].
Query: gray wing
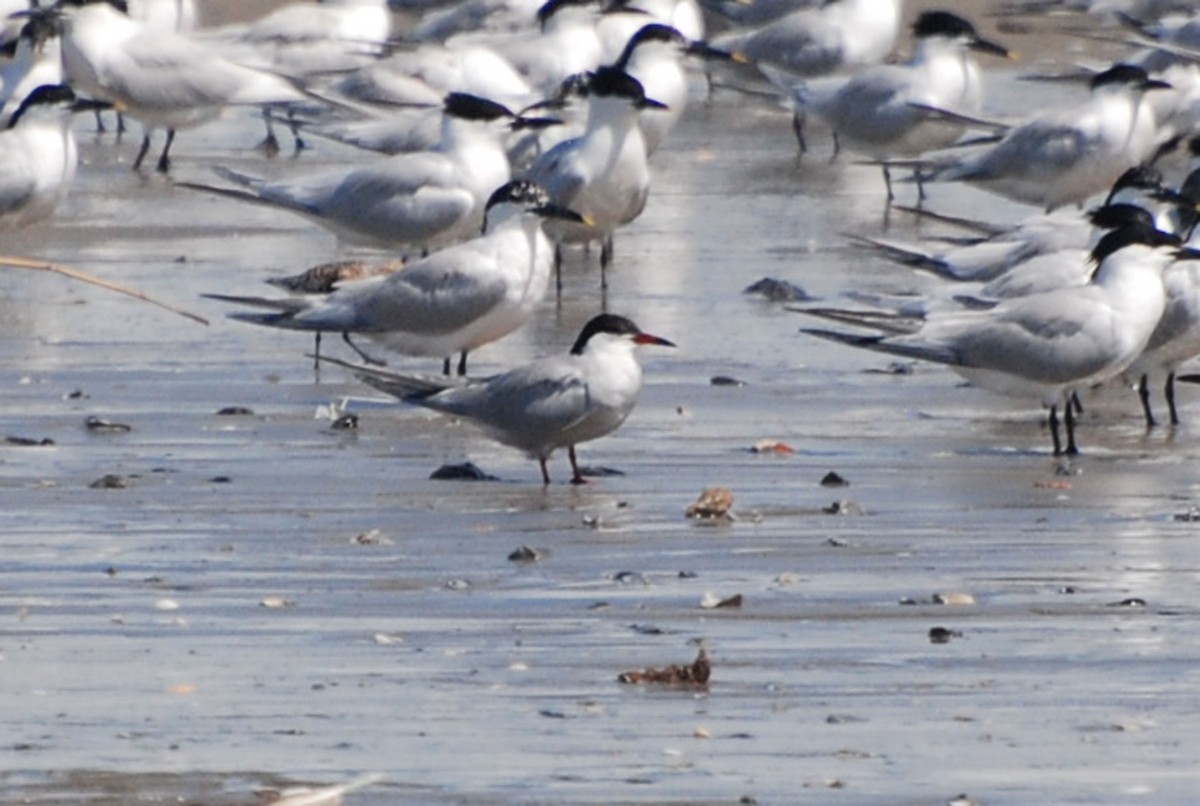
[439,294]
[535,401]
[561,173]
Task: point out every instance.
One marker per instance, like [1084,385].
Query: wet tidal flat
[209,590]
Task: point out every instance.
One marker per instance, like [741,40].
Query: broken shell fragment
[710,601]
[771,446]
[524,554]
[714,502]
[942,635]
[953,598]
[695,674]
[99,426]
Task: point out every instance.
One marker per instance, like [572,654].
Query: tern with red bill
[554,402]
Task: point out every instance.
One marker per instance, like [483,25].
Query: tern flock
[511,132]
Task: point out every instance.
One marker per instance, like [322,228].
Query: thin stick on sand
[76,274]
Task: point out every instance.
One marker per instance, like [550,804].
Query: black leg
[462,365]
[798,130]
[270,143]
[298,143]
[1052,421]
[317,351]
[1069,410]
[887,180]
[1169,391]
[100,128]
[141,155]
[576,476]
[446,366]
[164,159]
[367,358]
[606,256]
[558,270]
[1143,390]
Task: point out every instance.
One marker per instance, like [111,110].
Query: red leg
[577,478]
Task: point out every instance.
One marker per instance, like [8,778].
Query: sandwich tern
[653,55]
[38,156]
[37,59]
[1067,156]
[565,42]
[1175,340]
[819,40]
[423,199]
[306,39]
[898,110]
[602,174]
[551,403]
[451,302]
[163,80]
[1050,344]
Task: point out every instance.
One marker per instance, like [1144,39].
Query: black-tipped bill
[552,210]
[521,123]
[994,48]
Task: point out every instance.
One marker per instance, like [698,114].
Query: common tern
[451,302]
[423,199]
[901,110]
[162,80]
[1051,344]
[1065,157]
[603,174]
[551,403]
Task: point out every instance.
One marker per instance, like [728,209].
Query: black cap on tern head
[616,325]
[951,26]
[942,23]
[611,81]
[519,191]
[1114,216]
[42,25]
[45,95]
[119,5]
[1129,235]
[551,7]
[653,32]
[533,198]
[1139,177]
[465,106]
[1128,75]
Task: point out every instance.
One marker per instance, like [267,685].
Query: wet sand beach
[206,604]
